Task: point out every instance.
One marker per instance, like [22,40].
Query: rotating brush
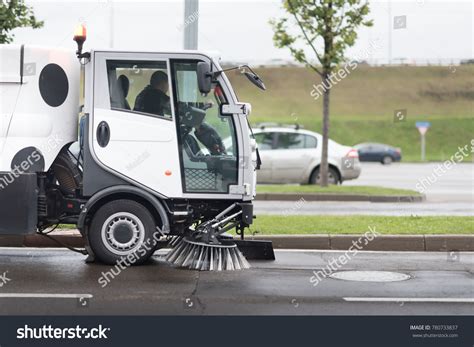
[196,255]
[207,248]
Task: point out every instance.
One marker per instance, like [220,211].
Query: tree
[15,14]
[326,28]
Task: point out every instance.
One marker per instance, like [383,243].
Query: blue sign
[423,124]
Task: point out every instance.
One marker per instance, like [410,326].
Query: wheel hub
[123,233]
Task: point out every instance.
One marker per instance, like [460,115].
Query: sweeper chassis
[136,175]
[198,236]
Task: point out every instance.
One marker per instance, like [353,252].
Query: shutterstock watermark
[126,261]
[48,332]
[20,169]
[24,166]
[343,72]
[138,160]
[336,263]
[4,279]
[400,22]
[296,206]
[189,20]
[443,168]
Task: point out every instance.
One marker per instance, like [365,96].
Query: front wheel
[333,176]
[122,231]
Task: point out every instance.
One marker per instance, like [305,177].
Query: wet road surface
[52,282]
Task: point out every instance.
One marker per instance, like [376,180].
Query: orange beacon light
[80,35]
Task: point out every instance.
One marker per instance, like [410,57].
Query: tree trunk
[323,168]
[326,64]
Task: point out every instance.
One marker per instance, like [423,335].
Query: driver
[153,98]
[204,132]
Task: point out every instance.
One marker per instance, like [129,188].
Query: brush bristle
[205,257]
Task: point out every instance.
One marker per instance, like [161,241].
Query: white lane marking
[398,300]
[282,250]
[289,250]
[34,249]
[45,296]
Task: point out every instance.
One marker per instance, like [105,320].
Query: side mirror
[255,80]
[204,76]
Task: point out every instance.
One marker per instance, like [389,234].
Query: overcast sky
[239,30]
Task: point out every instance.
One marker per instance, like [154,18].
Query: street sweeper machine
[159,154]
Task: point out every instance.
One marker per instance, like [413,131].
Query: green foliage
[15,14]
[362,108]
[358,224]
[333,189]
[330,24]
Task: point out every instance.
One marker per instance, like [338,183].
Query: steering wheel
[191,116]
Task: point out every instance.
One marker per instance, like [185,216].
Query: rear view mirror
[255,79]
[204,76]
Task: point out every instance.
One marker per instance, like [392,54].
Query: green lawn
[341,225]
[363,105]
[270,224]
[333,189]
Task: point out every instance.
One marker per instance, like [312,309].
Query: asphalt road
[439,183]
[52,282]
[451,194]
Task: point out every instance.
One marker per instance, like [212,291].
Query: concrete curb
[414,243]
[339,197]
[431,243]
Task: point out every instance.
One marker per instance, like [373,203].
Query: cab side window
[139,86]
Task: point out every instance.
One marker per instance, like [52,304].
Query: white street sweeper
[160,153]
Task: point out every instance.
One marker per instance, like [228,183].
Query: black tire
[333,176]
[122,229]
[387,160]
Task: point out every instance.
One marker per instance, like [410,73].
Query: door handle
[103,134]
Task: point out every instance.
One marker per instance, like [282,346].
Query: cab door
[133,131]
[208,137]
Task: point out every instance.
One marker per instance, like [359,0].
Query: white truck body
[26,120]
[151,151]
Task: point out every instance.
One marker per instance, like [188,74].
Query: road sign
[423,128]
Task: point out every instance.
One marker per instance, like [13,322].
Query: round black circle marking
[28,160]
[53,85]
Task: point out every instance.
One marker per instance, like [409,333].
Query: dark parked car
[378,152]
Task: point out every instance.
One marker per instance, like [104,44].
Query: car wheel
[122,230]
[387,160]
[333,176]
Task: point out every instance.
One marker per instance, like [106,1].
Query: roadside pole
[423,128]
[190,25]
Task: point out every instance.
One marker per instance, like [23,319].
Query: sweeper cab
[139,150]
